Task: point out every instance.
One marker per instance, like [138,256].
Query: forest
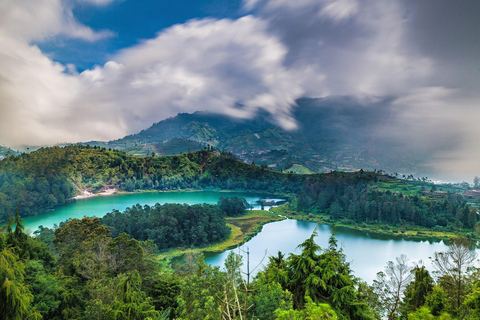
[352,200]
[82,270]
[170,225]
[41,180]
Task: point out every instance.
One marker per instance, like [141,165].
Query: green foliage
[87,250]
[268,297]
[164,292]
[75,239]
[15,297]
[201,292]
[417,291]
[233,206]
[131,303]
[453,268]
[170,225]
[322,275]
[311,311]
[46,288]
[357,197]
[425,314]
[437,300]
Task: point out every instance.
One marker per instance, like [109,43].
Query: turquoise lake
[100,205]
[368,254]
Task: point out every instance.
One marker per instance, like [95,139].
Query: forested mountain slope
[335,133]
[40,180]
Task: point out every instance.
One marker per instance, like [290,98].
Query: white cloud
[339,9]
[36,20]
[38,97]
[98,2]
[213,65]
[233,67]
[283,50]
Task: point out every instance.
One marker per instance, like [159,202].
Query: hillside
[5,150]
[335,133]
[48,177]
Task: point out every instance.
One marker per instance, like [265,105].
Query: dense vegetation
[49,177]
[4,151]
[41,180]
[233,206]
[351,198]
[90,274]
[170,225]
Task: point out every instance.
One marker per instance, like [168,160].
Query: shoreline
[104,192]
[243,229]
[411,233]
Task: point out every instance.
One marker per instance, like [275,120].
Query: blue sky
[81,70]
[130,21]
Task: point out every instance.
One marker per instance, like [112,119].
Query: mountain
[5,150]
[335,133]
[41,180]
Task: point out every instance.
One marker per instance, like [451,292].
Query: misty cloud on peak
[421,53]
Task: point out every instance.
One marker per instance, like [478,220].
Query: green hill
[335,133]
[4,151]
[49,177]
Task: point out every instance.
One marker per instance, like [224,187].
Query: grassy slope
[299,169]
[243,229]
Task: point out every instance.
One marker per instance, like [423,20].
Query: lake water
[101,205]
[368,254]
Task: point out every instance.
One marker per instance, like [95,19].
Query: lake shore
[242,228]
[410,232]
[104,192]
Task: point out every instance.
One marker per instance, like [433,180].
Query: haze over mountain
[335,133]
[102,69]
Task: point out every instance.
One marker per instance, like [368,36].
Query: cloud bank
[423,54]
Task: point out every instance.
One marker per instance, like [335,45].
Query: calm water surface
[367,254]
[101,205]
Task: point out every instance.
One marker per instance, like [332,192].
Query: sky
[80,70]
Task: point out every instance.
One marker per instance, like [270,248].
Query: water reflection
[367,253]
[303,225]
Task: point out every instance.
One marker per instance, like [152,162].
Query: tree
[325,277]
[268,297]
[436,301]
[391,284]
[418,289]
[306,278]
[17,239]
[15,298]
[164,291]
[452,268]
[233,206]
[201,292]
[46,288]
[131,303]
[312,310]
